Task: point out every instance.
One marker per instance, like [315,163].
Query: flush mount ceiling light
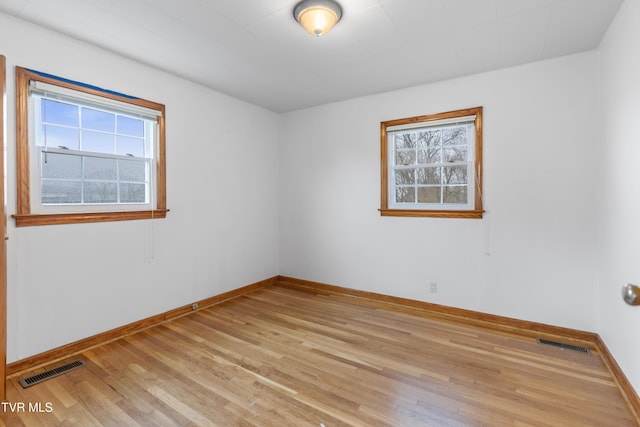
[317,17]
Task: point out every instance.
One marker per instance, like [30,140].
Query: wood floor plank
[283,356]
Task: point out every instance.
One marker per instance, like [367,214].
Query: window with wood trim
[432,165]
[85,154]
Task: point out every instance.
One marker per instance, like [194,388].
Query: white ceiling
[254,50]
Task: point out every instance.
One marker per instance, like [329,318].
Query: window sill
[431,213]
[24,220]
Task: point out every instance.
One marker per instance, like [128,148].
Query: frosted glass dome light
[317,17]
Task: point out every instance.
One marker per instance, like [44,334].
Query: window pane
[422,157]
[98,142]
[405,195]
[59,113]
[428,175]
[127,145]
[405,140]
[56,136]
[429,195]
[133,193]
[130,126]
[100,192]
[131,170]
[98,168]
[405,176]
[455,195]
[61,192]
[405,157]
[98,120]
[455,154]
[455,136]
[454,174]
[431,155]
[434,155]
[429,138]
[61,166]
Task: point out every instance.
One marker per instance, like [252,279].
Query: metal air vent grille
[564,346]
[48,374]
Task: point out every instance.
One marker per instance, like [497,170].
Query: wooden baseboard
[627,390]
[521,327]
[488,320]
[51,356]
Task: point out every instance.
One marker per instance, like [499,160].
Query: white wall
[69,282]
[531,257]
[619,151]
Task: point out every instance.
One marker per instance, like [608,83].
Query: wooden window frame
[477,210]
[24,216]
[3,232]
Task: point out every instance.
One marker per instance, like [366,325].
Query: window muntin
[431,165]
[80,178]
[85,154]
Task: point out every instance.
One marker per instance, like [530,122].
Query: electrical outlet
[194,306]
[433,287]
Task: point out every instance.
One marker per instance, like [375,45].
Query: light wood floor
[281,356]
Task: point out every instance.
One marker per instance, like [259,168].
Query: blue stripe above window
[88,86]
